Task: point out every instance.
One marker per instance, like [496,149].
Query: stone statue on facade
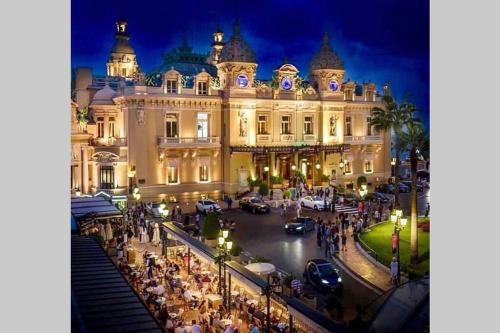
[243,123]
[333,125]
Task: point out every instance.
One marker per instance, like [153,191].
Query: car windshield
[301,220]
[326,270]
[155,205]
[209,203]
[317,199]
[255,200]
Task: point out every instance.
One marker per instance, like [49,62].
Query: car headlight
[324,281]
[298,228]
[339,279]
[286,226]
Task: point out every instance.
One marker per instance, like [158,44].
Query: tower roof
[326,58]
[104,96]
[121,44]
[237,49]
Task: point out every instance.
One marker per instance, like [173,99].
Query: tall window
[262,125]
[202,125]
[347,167]
[368,126]
[204,173]
[171,126]
[285,124]
[348,126]
[172,174]
[348,95]
[171,86]
[202,88]
[100,127]
[124,71]
[111,127]
[368,166]
[308,125]
[369,96]
[107,177]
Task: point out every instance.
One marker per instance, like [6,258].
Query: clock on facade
[242,81]
[334,85]
[286,83]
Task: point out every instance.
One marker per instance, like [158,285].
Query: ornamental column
[85,170]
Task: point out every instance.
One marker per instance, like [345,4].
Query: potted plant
[211,229]
[263,189]
[276,181]
[325,180]
[361,181]
[235,252]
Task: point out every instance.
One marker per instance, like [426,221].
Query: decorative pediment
[105,157]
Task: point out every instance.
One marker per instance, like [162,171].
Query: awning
[261,268]
[195,245]
[247,277]
[311,318]
[96,207]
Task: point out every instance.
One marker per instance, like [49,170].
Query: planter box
[211,242]
[277,186]
[325,184]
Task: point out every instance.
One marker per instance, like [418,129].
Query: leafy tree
[392,118]
[416,142]
[361,180]
[211,227]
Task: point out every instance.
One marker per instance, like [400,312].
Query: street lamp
[293,167]
[136,194]
[318,166]
[399,224]
[393,163]
[363,191]
[224,248]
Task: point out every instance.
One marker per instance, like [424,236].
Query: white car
[203,206]
[154,209]
[314,202]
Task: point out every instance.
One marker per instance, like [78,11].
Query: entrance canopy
[86,209]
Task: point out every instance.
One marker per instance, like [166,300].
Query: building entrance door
[243,176]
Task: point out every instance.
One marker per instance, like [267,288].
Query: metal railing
[179,141]
[108,141]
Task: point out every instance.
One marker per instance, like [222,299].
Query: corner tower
[326,71]
[217,46]
[122,59]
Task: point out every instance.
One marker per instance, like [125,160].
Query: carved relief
[243,123]
[333,124]
[140,113]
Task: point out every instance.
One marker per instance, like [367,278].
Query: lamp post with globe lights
[224,247]
[399,224]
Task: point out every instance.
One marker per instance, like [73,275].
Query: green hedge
[211,227]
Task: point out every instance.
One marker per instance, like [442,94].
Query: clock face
[242,81]
[334,85]
[286,83]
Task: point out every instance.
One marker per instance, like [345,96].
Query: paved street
[264,235]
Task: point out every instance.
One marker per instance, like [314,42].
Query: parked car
[407,183]
[254,205]
[377,197]
[322,275]
[314,202]
[386,188]
[349,198]
[153,208]
[403,188]
[300,225]
[204,206]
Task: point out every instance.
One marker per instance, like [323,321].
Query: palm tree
[416,142]
[392,118]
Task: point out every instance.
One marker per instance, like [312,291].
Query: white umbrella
[261,268]
[109,231]
[102,232]
[156,234]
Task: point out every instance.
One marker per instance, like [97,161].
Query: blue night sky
[378,40]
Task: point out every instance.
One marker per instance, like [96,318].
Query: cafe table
[214,299]
[196,294]
[252,301]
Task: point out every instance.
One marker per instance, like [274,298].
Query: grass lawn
[379,240]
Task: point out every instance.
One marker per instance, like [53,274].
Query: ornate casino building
[203,124]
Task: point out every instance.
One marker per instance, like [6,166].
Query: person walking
[427,209]
[318,234]
[344,241]
[271,194]
[229,202]
[299,209]
[328,247]
[336,241]
[394,271]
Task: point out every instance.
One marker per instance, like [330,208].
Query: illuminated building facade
[202,124]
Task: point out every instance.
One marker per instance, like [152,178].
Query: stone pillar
[95,177]
[272,166]
[85,170]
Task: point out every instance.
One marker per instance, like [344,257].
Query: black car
[300,225]
[254,205]
[349,198]
[407,183]
[322,275]
[386,188]
[377,197]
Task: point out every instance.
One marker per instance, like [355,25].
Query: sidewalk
[362,267]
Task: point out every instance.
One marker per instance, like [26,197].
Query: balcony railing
[287,137]
[363,139]
[109,142]
[178,142]
[309,137]
[263,138]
